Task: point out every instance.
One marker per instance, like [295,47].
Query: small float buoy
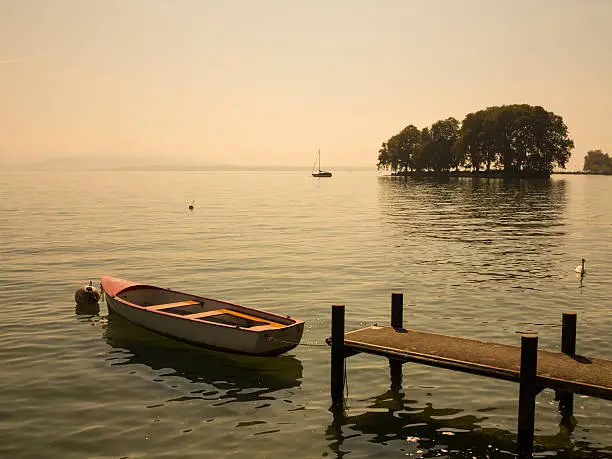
[87,294]
[191,205]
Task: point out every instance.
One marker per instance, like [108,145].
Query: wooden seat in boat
[269,326]
[199,315]
[265,324]
[157,307]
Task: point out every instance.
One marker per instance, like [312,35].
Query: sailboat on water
[317,166]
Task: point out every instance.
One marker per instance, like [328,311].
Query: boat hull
[230,338]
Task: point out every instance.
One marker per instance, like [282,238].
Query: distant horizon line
[100,163]
[150,163]
[175,167]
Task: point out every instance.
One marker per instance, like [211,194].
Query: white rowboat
[202,321]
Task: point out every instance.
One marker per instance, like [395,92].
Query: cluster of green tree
[597,161]
[514,140]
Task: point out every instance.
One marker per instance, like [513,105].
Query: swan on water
[580,268]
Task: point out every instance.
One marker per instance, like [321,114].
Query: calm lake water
[484,259]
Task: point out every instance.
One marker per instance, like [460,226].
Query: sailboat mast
[317,165]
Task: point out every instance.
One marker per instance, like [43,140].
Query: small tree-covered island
[597,162]
[505,141]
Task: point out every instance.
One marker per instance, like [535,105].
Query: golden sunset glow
[269,82]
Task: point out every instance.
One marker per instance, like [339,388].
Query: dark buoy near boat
[87,294]
[191,205]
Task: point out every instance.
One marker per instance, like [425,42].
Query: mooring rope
[345,379]
[316,345]
[298,343]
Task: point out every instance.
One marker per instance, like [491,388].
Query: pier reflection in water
[426,431]
[221,376]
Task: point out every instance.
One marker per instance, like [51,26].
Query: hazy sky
[268,82]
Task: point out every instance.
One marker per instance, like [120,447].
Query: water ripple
[483,259]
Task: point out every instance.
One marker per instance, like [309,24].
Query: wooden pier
[566,372]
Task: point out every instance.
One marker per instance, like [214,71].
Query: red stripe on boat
[112,286]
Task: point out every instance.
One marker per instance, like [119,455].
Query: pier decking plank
[579,374]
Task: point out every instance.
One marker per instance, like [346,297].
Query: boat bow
[112,285]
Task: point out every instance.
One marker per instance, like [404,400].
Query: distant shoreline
[582,173]
[489,174]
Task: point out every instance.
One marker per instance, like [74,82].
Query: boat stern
[280,340]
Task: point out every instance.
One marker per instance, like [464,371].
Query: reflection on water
[87,309]
[232,377]
[474,258]
[426,431]
[507,229]
[477,211]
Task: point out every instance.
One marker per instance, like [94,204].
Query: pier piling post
[395,367]
[527,394]
[568,346]
[397,310]
[397,322]
[568,333]
[337,356]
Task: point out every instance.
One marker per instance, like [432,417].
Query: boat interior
[203,309]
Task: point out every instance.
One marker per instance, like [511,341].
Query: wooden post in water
[568,333]
[337,356]
[397,310]
[527,394]
[395,367]
[397,322]
[568,346]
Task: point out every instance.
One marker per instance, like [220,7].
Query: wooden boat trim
[199,316]
[119,286]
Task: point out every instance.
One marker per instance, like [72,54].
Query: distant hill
[71,163]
